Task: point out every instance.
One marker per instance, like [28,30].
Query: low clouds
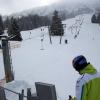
[6,6]
[6,3]
[13,6]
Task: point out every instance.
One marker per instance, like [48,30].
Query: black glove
[70,97]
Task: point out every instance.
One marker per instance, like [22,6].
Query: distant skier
[88,85]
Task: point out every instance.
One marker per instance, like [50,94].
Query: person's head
[79,63]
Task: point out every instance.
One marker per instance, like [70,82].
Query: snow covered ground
[54,64]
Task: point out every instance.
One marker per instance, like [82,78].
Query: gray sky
[11,6]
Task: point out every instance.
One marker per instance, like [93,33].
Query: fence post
[21,96]
[2,94]
[29,95]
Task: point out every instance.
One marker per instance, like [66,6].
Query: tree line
[15,25]
[29,22]
[12,29]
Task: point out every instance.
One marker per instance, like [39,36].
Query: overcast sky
[11,6]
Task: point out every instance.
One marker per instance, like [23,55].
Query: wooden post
[7,61]
[50,39]
[21,96]
[50,34]
[2,94]
[29,95]
[62,32]
[60,39]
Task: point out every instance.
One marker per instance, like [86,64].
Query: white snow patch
[54,64]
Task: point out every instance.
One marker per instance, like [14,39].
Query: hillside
[53,64]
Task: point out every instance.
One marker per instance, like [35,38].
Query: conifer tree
[1,26]
[14,31]
[94,19]
[7,23]
[56,27]
[98,18]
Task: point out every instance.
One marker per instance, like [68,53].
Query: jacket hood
[89,69]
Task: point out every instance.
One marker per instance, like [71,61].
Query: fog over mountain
[7,7]
[64,7]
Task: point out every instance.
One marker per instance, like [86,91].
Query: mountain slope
[54,63]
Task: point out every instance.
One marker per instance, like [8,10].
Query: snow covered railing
[20,95]
[44,91]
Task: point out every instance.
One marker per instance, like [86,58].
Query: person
[88,84]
